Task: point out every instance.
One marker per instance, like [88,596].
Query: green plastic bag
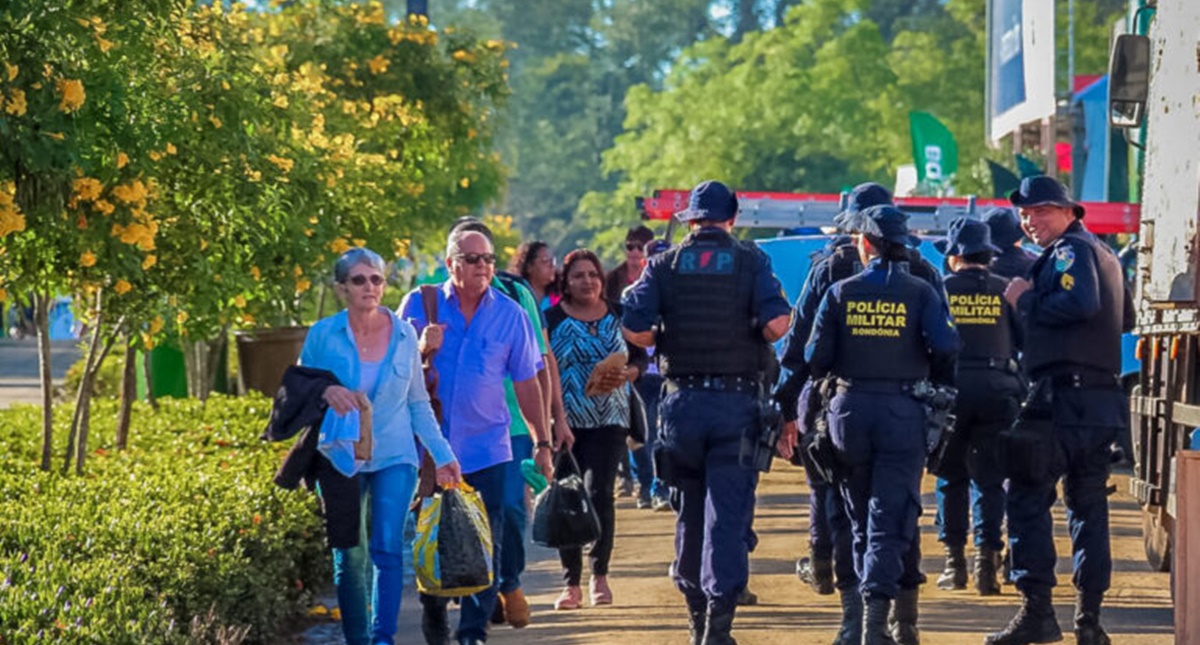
[453,548]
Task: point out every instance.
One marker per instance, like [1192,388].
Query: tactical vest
[880,336]
[708,325]
[842,263]
[981,315]
[1093,343]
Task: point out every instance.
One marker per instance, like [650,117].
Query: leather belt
[879,386]
[743,384]
[1002,364]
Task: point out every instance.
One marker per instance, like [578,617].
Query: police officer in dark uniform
[830,538]
[1012,261]
[716,304]
[880,333]
[1074,308]
[989,392]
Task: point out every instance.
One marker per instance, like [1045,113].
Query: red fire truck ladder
[814,210]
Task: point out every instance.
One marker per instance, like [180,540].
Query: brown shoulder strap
[429,299]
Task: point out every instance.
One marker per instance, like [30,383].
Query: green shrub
[185,522]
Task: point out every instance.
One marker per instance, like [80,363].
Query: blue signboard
[1008,54]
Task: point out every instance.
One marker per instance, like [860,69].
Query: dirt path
[649,610]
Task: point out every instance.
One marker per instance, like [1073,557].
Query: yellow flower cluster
[143,229]
[463,56]
[15,105]
[284,164]
[371,15]
[400,34]
[71,93]
[122,287]
[87,259]
[378,65]
[11,219]
[86,189]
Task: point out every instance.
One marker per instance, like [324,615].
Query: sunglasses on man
[633,246]
[360,280]
[476,258]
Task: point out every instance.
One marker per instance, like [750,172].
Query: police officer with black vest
[1075,307]
[1012,261]
[883,334]
[830,538]
[716,305]
[989,393]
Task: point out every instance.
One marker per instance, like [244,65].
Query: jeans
[649,386]
[477,608]
[516,517]
[378,580]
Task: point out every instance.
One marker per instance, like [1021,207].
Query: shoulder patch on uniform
[707,261]
[1067,282]
[1064,258]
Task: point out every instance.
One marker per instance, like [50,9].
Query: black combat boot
[720,623]
[1087,620]
[875,622]
[955,575]
[902,621]
[697,616]
[817,573]
[852,619]
[1034,622]
[986,563]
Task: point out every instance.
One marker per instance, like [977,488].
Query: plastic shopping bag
[453,548]
[563,515]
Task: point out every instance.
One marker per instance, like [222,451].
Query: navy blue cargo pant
[829,532]
[713,495]
[879,435]
[976,480]
[1085,423]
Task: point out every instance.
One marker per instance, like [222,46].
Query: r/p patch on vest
[1067,282]
[706,261]
[1064,258]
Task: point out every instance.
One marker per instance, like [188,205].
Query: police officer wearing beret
[989,391]
[716,305]
[830,538]
[1012,261]
[879,333]
[1075,307]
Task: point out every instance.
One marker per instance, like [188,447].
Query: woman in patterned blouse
[584,329]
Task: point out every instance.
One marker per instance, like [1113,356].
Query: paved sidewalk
[19,380]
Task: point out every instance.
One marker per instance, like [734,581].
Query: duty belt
[1002,364]
[1084,379]
[878,386]
[743,384]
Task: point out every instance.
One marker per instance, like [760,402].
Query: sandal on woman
[570,598]
[601,594]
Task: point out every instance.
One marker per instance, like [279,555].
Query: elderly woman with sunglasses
[373,352]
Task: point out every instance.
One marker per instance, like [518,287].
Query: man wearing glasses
[631,269]
[481,337]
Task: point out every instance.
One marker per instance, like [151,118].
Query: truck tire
[1157,538]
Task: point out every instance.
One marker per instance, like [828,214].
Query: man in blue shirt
[481,338]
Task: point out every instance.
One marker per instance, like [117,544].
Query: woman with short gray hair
[373,353]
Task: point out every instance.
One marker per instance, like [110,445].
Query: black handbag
[563,514]
[638,424]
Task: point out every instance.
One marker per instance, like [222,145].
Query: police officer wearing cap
[1075,307]
[716,305]
[989,391]
[1012,261]
[879,333]
[830,538]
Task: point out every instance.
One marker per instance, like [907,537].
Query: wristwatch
[543,444]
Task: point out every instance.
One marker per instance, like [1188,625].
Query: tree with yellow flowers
[184,169]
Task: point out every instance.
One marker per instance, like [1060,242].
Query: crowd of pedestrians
[490,374]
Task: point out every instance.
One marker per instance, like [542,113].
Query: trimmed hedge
[177,539]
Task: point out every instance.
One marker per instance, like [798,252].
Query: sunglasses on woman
[360,280]
[476,258]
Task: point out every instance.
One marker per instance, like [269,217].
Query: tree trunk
[150,398]
[201,360]
[128,393]
[83,398]
[41,320]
